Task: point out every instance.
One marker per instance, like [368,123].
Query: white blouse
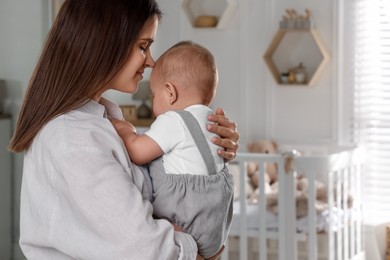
[82,197]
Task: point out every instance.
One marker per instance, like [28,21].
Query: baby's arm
[141,148]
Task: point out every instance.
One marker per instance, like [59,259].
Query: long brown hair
[87,45]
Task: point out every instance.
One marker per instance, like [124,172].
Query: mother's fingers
[228,156]
[222,120]
[225,132]
[230,146]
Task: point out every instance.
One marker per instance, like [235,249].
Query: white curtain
[366,82]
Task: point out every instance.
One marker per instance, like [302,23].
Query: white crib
[340,239]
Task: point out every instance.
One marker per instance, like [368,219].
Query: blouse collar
[103,108]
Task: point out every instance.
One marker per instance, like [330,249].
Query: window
[366,74]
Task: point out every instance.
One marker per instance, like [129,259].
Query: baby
[192,187]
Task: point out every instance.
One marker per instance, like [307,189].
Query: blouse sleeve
[99,212]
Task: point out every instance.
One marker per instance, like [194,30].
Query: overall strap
[199,138]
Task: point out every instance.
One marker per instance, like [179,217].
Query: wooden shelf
[315,54]
[5,116]
[142,122]
[222,9]
[130,114]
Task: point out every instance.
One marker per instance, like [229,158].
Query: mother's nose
[149,61]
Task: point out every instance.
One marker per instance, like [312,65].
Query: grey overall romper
[201,205]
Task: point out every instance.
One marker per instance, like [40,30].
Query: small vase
[291,77]
[300,77]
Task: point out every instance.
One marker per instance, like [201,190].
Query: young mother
[82,197]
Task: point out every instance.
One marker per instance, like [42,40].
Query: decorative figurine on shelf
[296,75]
[295,21]
[284,77]
[307,19]
[300,73]
[143,93]
[291,76]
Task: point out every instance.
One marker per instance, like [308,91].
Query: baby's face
[160,95]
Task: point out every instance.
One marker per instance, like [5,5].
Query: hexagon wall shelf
[223,10]
[290,47]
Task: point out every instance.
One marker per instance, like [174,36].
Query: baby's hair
[191,65]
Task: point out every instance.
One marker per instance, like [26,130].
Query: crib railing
[341,172]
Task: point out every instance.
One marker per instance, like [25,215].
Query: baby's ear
[171,91]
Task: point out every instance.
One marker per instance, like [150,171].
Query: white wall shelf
[222,10]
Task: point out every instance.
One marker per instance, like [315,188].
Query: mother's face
[127,78]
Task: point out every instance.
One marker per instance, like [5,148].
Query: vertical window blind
[366,47]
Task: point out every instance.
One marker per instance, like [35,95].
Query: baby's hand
[123,127]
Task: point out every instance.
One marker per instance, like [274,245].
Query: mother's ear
[171,91]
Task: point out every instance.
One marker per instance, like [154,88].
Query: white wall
[247,91]
[22,29]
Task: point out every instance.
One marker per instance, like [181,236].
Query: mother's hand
[227,130]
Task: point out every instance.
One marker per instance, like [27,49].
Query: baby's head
[184,75]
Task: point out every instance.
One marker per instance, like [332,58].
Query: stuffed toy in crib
[267,147]
[251,181]
[271,184]
[301,197]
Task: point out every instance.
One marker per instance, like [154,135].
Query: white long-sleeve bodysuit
[82,197]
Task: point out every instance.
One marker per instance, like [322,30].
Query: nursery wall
[247,92]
